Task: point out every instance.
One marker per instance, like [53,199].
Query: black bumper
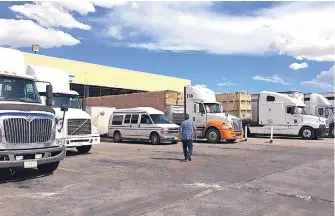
[321,132]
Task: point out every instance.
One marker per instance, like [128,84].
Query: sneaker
[189,157]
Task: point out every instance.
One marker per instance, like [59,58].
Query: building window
[117,120]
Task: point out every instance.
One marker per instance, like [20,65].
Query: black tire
[84,149]
[117,136]
[307,133]
[213,135]
[155,139]
[331,130]
[48,168]
[231,141]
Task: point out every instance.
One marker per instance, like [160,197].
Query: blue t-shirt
[187,129]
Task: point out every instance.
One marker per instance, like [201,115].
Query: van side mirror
[49,95]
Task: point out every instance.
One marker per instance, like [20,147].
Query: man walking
[187,131]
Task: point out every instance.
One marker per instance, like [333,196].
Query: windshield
[160,119]
[301,110]
[213,108]
[18,89]
[72,101]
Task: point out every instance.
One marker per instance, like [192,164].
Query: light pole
[35,48]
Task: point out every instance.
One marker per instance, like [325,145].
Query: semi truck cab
[77,127]
[214,125]
[28,136]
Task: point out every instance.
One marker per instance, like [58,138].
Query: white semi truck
[28,135]
[78,130]
[285,114]
[211,122]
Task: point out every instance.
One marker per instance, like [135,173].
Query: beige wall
[100,75]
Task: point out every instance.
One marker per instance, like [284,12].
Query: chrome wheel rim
[307,133]
[212,135]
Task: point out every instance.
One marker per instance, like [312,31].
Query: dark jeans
[187,144]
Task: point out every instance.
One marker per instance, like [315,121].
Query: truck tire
[155,139]
[117,136]
[307,133]
[84,149]
[213,135]
[48,168]
[331,130]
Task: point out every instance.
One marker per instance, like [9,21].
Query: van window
[127,119]
[145,119]
[117,120]
[134,119]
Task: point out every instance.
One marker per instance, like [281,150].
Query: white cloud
[225,83]
[54,14]
[109,3]
[300,29]
[273,79]
[115,32]
[325,80]
[297,66]
[21,33]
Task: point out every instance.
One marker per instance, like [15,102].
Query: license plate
[30,164]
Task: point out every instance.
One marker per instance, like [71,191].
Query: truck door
[199,117]
[291,120]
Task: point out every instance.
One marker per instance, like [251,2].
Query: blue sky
[227,46]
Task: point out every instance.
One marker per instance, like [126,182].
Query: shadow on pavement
[170,159]
[71,153]
[19,175]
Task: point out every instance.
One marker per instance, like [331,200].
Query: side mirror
[48,91]
[102,113]
[64,108]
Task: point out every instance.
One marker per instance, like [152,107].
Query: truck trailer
[29,138]
[78,129]
[287,116]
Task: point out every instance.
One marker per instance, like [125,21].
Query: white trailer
[100,117]
[29,138]
[78,130]
[201,106]
[285,114]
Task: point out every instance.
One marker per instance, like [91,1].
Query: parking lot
[287,177]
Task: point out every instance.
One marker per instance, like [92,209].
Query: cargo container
[236,103]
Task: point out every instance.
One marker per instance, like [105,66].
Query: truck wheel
[48,168]
[231,141]
[213,135]
[84,149]
[117,136]
[307,133]
[331,130]
[155,139]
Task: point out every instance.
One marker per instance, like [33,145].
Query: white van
[142,123]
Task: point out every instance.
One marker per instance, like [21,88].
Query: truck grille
[78,126]
[237,124]
[20,130]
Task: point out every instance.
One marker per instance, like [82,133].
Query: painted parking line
[70,170]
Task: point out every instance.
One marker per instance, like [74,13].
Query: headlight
[60,141]
[227,127]
[95,130]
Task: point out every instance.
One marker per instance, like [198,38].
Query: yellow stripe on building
[100,75]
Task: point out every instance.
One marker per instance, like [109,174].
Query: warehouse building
[95,80]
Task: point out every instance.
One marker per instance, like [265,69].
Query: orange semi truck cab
[213,124]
